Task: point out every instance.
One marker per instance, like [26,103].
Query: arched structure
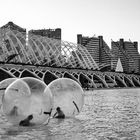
[47,59]
[37,50]
[5,74]
[87,79]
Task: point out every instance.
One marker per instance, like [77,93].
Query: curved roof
[16,47]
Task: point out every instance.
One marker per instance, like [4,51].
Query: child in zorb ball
[68,97]
[25,100]
[59,113]
[29,101]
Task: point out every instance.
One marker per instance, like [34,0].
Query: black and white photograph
[69,70]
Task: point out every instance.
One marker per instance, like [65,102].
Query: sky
[113,19]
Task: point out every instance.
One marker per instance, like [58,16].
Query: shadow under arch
[119,82]
[105,67]
[27,73]
[67,75]
[108,79]
[136,83]
[98,81]
[128,82]
[5,74]
[85,81]
[49,77]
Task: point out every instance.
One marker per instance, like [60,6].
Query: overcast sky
[113,19]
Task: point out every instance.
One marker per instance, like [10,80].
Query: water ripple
[106,115]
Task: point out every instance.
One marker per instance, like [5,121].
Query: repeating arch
[119,82]
[108,79]
[110,82]
[67,75]
[85,81]
[98,81]
[5,74]
[49,77]
[88,79]
[46,51]
[27,73]
[128,82]
[136,83]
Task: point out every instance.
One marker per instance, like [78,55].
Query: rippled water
[106,115]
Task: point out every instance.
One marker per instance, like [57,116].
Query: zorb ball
[40,100]
[16,101]
[68,95]
[3,85]
[26,97]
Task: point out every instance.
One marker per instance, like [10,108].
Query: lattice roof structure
[18,47]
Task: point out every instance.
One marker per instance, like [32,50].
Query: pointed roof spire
[119,67]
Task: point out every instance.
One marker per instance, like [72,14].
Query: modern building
[12,26]
[16,47]
[46,34]
[98,49]
[45,48]
[128,54]
[12,37]
[50,33]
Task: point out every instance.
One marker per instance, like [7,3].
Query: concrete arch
[112,77]
[76,76]
[15,72]
[49,77]
[108,79]
[128,82]
[5,74]
[110,82]
[136,83]
[85,81]
[67,75]
[119,82]
[99,82]
[27,73]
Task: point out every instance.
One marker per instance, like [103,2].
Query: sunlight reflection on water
[106,115]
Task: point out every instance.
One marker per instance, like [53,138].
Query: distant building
[13,40]
[10,25]
[50,33]
[128,53]
[98,49]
